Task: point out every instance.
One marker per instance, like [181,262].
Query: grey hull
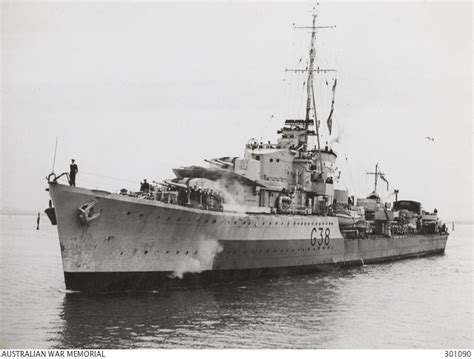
[143,244]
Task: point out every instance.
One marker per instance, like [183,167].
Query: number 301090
[457,353]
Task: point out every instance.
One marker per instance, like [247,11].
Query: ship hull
[140,244]
[94,282]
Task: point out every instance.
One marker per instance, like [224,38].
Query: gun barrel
[214,163]
[225,163]
[176,185]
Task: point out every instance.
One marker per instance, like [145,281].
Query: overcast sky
[134,90]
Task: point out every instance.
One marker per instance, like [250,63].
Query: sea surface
[414,303]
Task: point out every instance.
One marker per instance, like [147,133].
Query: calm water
[416,303]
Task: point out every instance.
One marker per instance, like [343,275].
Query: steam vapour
[207,249]
[229,191]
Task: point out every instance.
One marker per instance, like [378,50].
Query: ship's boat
[275,210]
[348,218]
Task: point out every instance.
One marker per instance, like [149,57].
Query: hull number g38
[320,235]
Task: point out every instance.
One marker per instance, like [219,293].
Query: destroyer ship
[274,211]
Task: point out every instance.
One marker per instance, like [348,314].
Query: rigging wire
[54,158]
[302,95]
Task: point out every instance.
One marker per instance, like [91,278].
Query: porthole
[186,253]
[278,160]
[167,252]
[235,222]
[179,220]
[168,218]
[271,159]
[268,251]
[177,252]
[158,217]
[146,252]
[206,221]
[214,221]
[121,253]
[196,252]
[141,215]
[129,213]
[233,252]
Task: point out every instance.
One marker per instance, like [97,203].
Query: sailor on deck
[145,186]
[72,173]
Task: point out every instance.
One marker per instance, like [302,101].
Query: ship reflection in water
[251,314]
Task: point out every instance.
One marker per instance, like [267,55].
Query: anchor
[86,212]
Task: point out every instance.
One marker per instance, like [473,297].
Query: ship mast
[309,85]
[376,174]
[310,94]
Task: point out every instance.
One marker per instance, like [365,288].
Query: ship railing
[301,210]
[265,146]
